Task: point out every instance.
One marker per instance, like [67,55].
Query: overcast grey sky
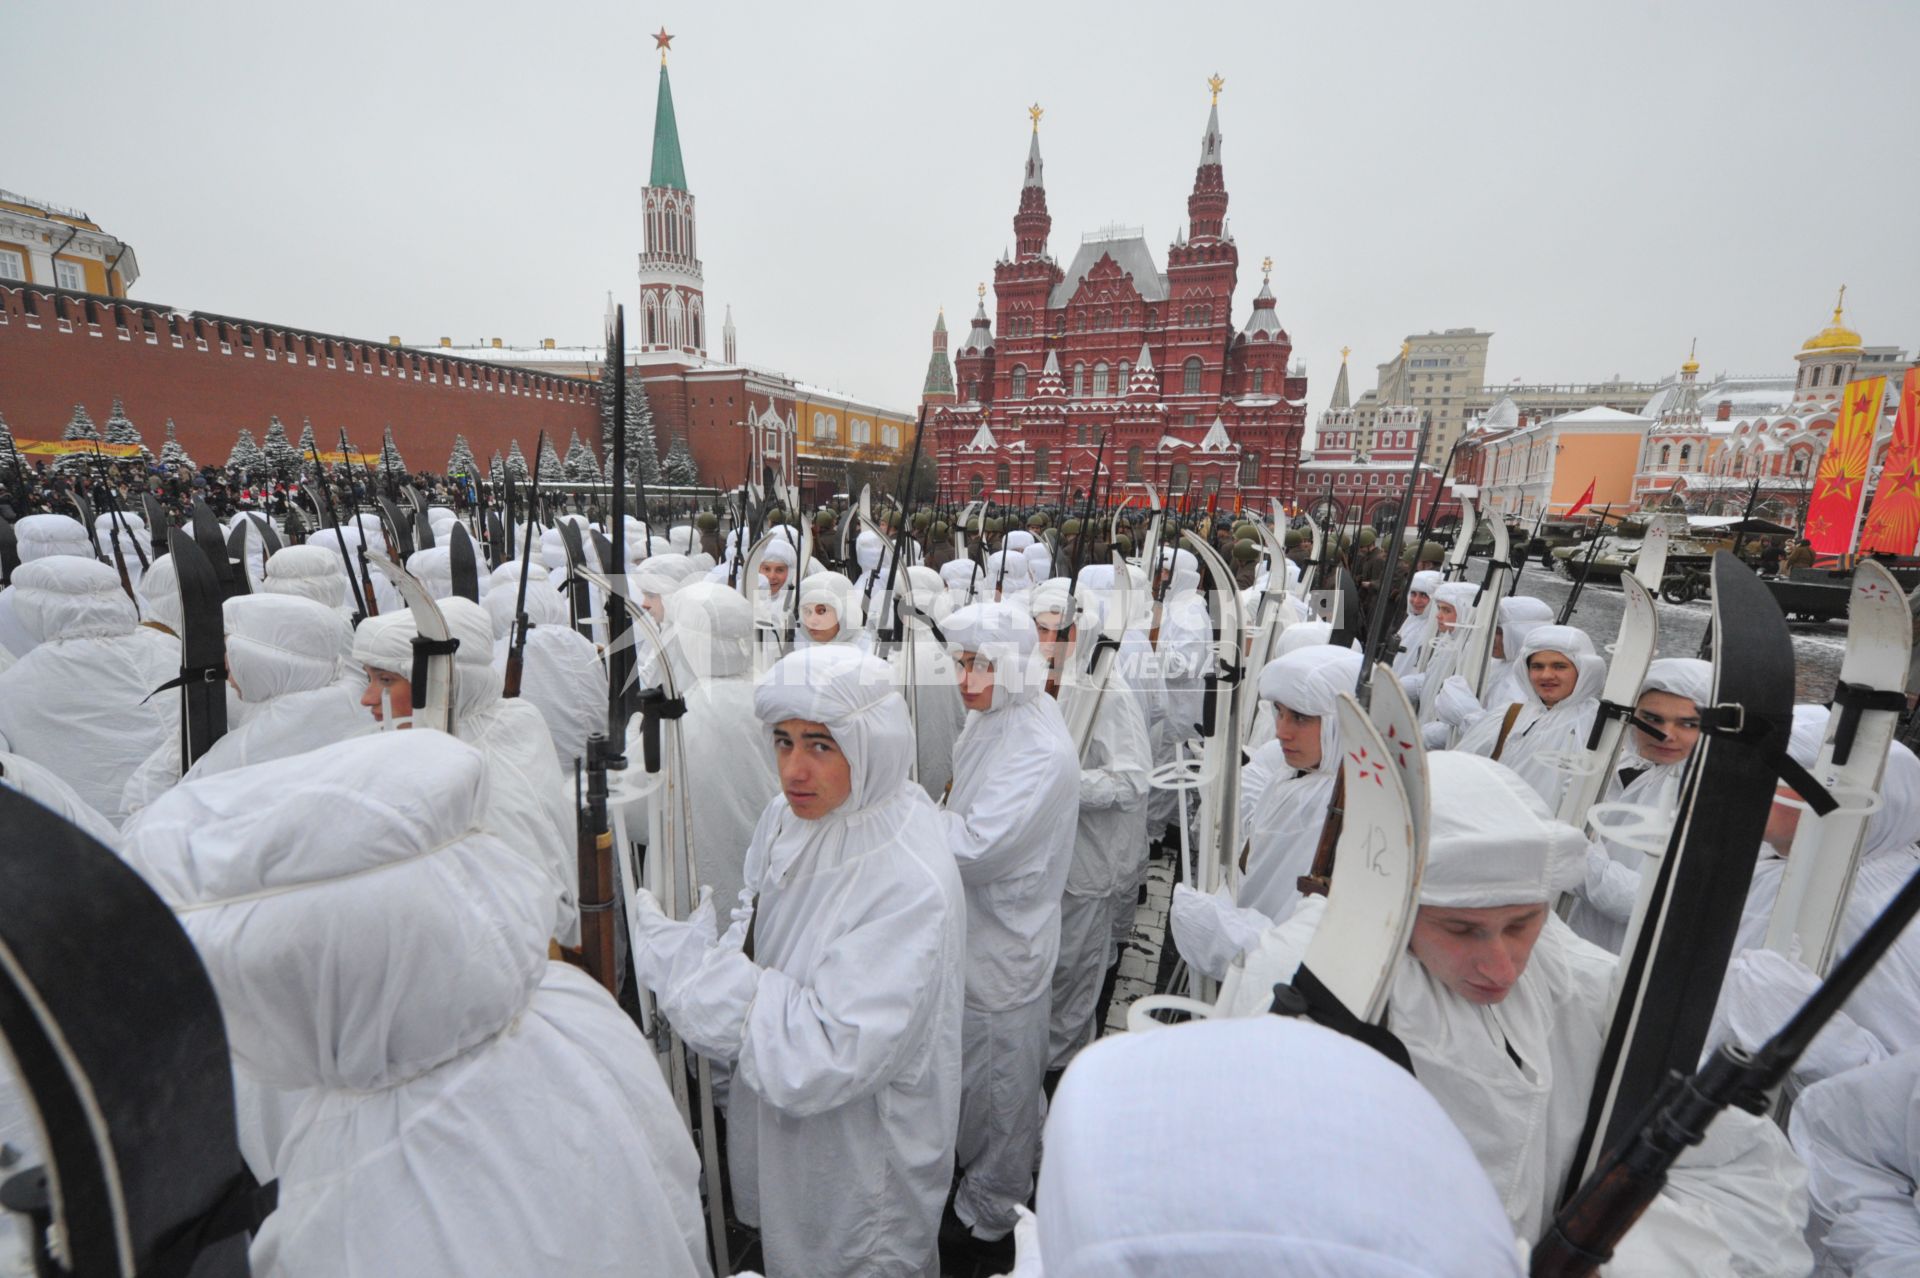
[1597,184]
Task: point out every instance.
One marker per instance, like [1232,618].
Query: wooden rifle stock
[1316,881]
[595,853]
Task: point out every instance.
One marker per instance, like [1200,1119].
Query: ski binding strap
[1610,710]
[1306,997]
[425,648]
[1853,699]
[655,705]
[187,675]
[1729,722]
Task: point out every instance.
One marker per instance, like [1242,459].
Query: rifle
[363,603]
[1628,1179]
[1383,601]
[595,859]
[897,579]
[517,646]
[620,655]
[1586,566]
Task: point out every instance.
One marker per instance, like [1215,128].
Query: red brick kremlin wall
[215,375]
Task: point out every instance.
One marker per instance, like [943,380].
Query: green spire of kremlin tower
[667,169]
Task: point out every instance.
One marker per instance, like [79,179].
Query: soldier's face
[1444,616]
[1299,736]
[1417,602]
[387,693]
[814,775]
[1479,954]
[976,680]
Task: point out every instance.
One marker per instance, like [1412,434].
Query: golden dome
[1836,336]
[1692,365]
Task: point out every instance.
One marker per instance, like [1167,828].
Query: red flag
[1839,482]
[1893,521]
[1586,499]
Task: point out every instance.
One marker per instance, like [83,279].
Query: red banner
[1840,482]
[1586,499]
[1893,521]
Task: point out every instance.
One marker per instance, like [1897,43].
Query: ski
[203,652]
[1650,569]
[1677,946]
[206,534]
[1632,653]
[1374,890]
[433,648]
[1220,734]
[1867,705]
[464,563]
[237,555]
[116,1039]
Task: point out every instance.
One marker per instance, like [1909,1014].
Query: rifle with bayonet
[517,645]
[363,603]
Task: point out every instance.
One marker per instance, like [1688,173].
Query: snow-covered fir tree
[551,471]
[496,469]
[307,445]
[680,470]
[172,453]
[580,463]
[79,427]
[121,430]
[280,453]
[8,451]
[390,460]
[461,460]
[247,456]
[517,464]
[643,459]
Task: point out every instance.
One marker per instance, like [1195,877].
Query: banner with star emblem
[1841,480]
[1893,521]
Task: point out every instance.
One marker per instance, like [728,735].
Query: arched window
[1002,477]
[975,486]
[1686,453]
[973,390]
[1190,376]
[1178,483]
[1079,380]
[1133,464]
[1249,469]
[1041,457]
[1666,452]
[1259,380]
[1123,378]
[653,322]
[1100,380]
[1019,381]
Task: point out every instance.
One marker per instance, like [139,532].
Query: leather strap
[1506,726]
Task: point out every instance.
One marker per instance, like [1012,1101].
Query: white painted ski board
[1853,758]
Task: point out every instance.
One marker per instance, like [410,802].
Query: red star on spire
[661,40]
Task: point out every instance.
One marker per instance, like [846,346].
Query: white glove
[1762,991]
[1210,931]
[665,949]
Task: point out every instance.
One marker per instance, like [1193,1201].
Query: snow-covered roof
[1748,395]
[1130,253]
[1168,441]
[1600,415]
[1215,440]
[982,441]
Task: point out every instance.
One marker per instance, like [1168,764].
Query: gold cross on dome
[1216,82]
[981,292]
[1266,266]
[1036,111]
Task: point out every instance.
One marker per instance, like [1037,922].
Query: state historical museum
[1115,344]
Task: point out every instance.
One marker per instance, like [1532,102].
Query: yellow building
[61,248]
[835,434]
